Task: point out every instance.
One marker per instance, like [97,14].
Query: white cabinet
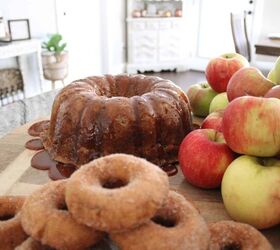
[143,47]
[156,44]
[170,46]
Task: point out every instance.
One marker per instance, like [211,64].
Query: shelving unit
[156,37]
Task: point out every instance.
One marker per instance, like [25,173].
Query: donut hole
[130,87]
[164,221]
[6,217]
[231,246]
[113,183]
[62,206]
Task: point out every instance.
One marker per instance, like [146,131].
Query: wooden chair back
[240,35]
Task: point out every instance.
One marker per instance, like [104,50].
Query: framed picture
[19,29]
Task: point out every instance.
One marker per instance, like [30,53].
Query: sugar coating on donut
[31,244]
[116,192]
[45,217]
[236,236]
[176,225]
[11,231]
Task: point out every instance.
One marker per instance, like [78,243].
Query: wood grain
[18,178]
[268,47]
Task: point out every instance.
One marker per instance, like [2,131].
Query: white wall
[79,24]
[271,17]
[113,31]
[95,32]
[41,14]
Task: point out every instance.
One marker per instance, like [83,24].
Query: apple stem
[204,85]
[267,161]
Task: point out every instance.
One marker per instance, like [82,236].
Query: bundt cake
[135,114]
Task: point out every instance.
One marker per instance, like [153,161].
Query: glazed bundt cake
[135,114]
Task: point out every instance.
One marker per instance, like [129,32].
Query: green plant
[53,44]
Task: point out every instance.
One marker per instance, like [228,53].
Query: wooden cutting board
[18,178]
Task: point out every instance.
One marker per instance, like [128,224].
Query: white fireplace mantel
[19,49]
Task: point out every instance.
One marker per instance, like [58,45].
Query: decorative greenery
[53,44]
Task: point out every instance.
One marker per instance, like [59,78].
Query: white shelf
[136,19]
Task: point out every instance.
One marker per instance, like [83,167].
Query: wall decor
[19,29]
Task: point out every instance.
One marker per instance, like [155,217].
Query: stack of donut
[124,197]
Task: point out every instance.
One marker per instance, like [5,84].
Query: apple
[251,125]
[251,191]
[204,157]
[274,74]
[200,96]
[220,69]
[274,92]
[248,81]
[219,102]
[214,121]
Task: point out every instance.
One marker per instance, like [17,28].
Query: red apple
[248,81]
[251,125]
[219,70]
[274,92]
[204,157]
[214,121]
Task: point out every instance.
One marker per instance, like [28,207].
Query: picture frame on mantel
[19,29]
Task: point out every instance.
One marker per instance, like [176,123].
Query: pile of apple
[238,145]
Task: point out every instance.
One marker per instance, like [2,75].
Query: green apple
[274,74]
[200,96]
[219,102]
[251,191]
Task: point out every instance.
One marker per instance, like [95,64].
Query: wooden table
[270,47]
[17,177]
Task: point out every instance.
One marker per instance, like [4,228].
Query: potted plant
[55,59]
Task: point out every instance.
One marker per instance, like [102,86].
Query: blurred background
[171,38]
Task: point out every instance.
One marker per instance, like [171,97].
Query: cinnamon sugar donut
[11,231]
[176,225]
[45,218]
[31,244]
[116,192]
[236,236]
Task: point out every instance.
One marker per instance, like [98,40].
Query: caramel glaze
[61,171]
[38,127]
[57,170]
[34,144]
[42,161]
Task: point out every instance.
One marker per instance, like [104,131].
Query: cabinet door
[170,45]
[143,47]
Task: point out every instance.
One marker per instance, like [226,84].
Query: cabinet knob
[251,2]
[250,12]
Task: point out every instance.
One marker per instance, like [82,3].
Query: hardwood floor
[183,79]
